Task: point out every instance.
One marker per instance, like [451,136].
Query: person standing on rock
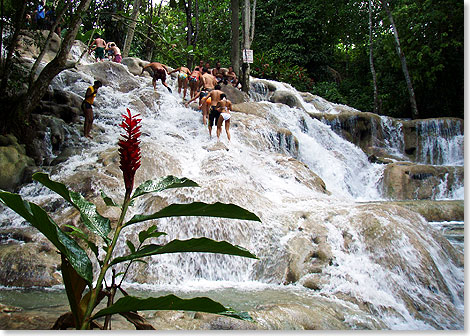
[224,107]
[159,71]
[99,48]
[88,109]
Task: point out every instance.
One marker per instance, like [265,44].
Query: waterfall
[440,142]
[269,167]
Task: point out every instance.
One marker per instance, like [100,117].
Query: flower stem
[99,283]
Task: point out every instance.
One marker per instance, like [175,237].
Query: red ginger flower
[129,149]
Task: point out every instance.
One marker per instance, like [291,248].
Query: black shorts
[86,105]
[213,116]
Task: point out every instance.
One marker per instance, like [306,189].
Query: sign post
[247,56]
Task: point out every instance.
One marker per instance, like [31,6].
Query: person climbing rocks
[159,71]
[224,106]
[203,106]
[214,113]
[116,52]
[183,73]
[194,82]
[87,107]
[98,46]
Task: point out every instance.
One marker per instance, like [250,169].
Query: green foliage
[77,268]
[329,91]
[169,302]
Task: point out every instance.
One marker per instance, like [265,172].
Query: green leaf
[150,233]
[169,302]
[131,246]
[163,183]
[38,218]
[218,209]
[74,287]
[204,245]
[108,200]
[91,218]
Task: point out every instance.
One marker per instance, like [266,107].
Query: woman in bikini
[182,79]
[194,82]
[224,106]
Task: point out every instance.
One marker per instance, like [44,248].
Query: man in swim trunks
[159,71]
[116,52]
[87,107]
[214,114]
[99,47]
[194,80]
[224,107]
[208,81]
[182,79]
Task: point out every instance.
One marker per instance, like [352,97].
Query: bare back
[209,81]
[215,97]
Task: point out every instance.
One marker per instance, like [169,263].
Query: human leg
[220,120]
[227,128]
[88,112]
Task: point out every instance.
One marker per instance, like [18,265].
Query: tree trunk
[235,54]
[248,34]
[371,59]
[53,68]
[414,107]
[130,31]
[48,39]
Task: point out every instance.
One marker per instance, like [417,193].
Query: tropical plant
[77,268]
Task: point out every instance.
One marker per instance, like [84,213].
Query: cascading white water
[255,175]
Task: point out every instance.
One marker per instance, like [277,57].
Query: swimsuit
[208,101]
[213,116]
[182,75]
[99,52]
[193,79]
[117,58]
[225,115]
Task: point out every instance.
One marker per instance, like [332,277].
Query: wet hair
[217,87]
[197,69]
[205,69]
[98,83]
[223,95]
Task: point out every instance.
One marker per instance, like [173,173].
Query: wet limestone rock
[29,264]
[286,98]
[407,181]
[28,47]
[15,165]
[235,95]
[134,65]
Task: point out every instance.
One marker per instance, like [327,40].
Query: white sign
[247,56]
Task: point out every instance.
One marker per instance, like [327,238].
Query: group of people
[205,85]
[43,17]
[105,50]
